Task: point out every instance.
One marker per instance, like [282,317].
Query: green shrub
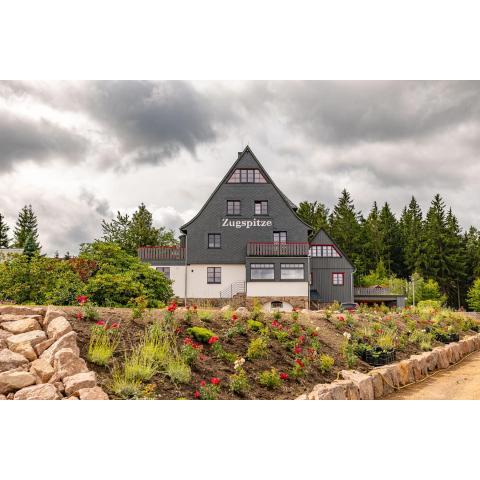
[281,335]
[270,379]
[238,382]
[90,312]
[257,348]
[205,316]
[255,325]
[325,363]
[138,306]
[200,334]
[237,329]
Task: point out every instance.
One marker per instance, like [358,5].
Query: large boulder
[33,337]
[42,369]
[328,391]
[45,391]
[8,317]
[67,341]
[442,357]
[42,346]
[21,310]
[377,381]
[58,327]
[21,326]
[351,389]
[405,370]
[51,314]
[242,312]
[66,363]
[363,382]
[3,338]
[26,350]
[15,380]
[95,393]
[10,360]
[81,380]
[225,308]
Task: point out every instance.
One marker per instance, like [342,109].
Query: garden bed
[308,338]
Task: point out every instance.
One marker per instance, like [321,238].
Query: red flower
[276,324]
[297,349]
[212,340]
[284,376]
[81,299]
[215,381]
[194,307]
[100,322]
[187,341]
[203,383]
[299,363]
[172,307]
[301,339]
[234,318]
[196,394]
[314,334]
[115,325]
[79,316]
[341,318]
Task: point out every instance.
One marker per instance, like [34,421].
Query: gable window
[262,271]
[324,251]
[164,270]
[261,207]
[338,278]
[214,240]
[292,271]
[247,175]
[233,207]
[214,274]
[280,237]
[277,305]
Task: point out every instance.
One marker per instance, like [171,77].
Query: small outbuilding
[378,294]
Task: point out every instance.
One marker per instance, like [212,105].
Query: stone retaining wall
[382,381]
[39,357]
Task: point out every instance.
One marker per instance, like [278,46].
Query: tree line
[432,245]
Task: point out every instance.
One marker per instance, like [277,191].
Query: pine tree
[346,230]
[314,214]
[30,248]
[471,241]
[26,226]
[390,233]
[456,261]
[4,228]
[410,225]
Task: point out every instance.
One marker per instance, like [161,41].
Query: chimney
[239,154]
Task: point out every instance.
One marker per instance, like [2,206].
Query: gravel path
[461,382]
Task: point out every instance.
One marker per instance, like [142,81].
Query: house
[248,242]
[379,295]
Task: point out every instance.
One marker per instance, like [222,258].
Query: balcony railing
[161,253]
[273,249]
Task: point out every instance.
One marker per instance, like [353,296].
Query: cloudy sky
[80,151]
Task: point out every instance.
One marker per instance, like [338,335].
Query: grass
[178,371]
[139,367]
[102,345]
[124,386]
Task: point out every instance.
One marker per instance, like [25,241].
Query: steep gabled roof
[247,149]
[322,230]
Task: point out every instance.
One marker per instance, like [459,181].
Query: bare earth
[461,382]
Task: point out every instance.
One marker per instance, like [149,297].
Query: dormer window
[247,175]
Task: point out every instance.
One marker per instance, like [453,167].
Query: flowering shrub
[325,363]
[295,314]
[257,348]
[138,306]
[208,391]
[190,351]
[283,376]
[238,382]
[298,369]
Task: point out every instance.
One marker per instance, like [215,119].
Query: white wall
[177,275]
[277,289]
[197,286]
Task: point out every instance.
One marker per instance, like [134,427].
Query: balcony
[161,253]
[273,249]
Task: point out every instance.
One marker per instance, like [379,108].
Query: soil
[329,334]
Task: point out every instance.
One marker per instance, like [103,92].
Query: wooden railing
[161,253]
[273,249]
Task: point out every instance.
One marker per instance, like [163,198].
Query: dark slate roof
[289,203]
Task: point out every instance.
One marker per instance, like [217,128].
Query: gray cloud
[23,139]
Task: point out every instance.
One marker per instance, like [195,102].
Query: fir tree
[390,233]
[410,225]
[26,226]
[30,248]
[373,238]
[4,228]
[314,214]
[456,261]
[346,230]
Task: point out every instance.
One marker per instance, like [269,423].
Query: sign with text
[247,223]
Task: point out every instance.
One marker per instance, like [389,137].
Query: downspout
[308,279]
[186,274]
[353,296]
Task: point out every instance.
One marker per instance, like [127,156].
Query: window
[262,271]
[323,251]
[277,305]
[214,274]
[247,175]
[233,207]
[338,278]
[214,240]
[261,207]
[164,270]
[280,237]
[292,271]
